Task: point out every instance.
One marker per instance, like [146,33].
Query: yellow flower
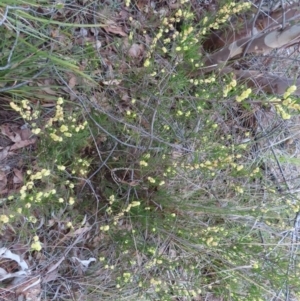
[71,201]
[36,246]
[55,137]
[14,107]
[291,89]
[143,163]
[45,172]
[37,176]
[36,131]
[63,128]
[60,101]
[151,180]
[32,219]
[111,199]
[240,167]
[4,219]
[69,225]
[104,228]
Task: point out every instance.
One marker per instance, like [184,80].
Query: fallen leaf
[3,180]
[47,89]
[72,82]
[79,231]
[135,50]
[98,45]
[142,5]
[112,27]
[18,177]
[22,144]
[7,130]
[25,133]
[4,153]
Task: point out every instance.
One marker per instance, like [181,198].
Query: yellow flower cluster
[124,210]
[64,130]
[61,167]
[210,241]
[4,219]
[291,104]
[133,204]
[229,87]
[32,219]
[40,174]
[36,245]
[30,184]
[254,172]
[244,95]
[144,162]
[151,180]
[185,34]
[71,201]
[104,228]
[208,80]
[127,277]
[289,91]
[25,110]
[228,10]
[82,167]
[59,113]
[167,25]
[27,114]
[287,102]
[280,110]
[239,189]
[152,47]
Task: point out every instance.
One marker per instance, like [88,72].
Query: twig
[23,83]
[10,53]
[252,30]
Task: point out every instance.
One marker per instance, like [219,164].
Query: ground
[128,174]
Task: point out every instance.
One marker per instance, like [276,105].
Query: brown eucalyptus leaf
[18,177]
[112,27]
[135,50]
